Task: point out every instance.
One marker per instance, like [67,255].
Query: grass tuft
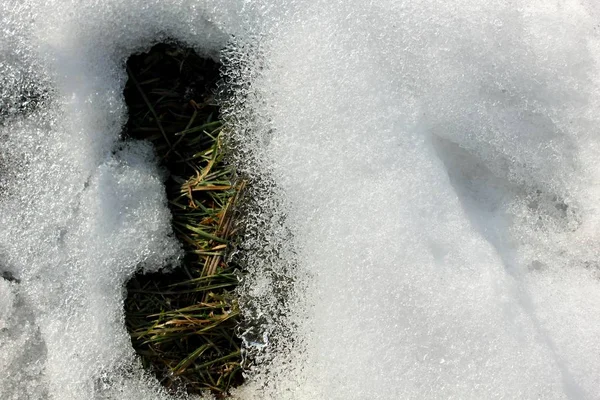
[183,324]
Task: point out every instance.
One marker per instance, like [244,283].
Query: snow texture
[424,223]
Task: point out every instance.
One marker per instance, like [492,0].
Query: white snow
[430,179]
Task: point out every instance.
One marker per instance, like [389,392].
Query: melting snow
[430,181]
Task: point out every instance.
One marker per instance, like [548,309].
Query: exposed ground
[183,324]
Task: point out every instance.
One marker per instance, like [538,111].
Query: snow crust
[425,221]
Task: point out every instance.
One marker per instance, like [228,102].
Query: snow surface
[429,181]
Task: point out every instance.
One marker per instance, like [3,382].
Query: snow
[427,180]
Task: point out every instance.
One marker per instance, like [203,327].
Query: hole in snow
[183,323]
